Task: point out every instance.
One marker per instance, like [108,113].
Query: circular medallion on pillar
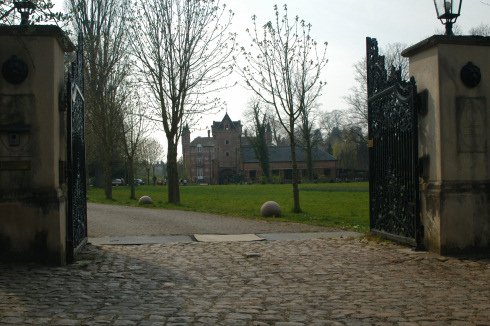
[470,75]
[14,70]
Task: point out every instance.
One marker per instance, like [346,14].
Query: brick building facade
[226,156]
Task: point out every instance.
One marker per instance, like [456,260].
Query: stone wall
[32,144]
[454,142]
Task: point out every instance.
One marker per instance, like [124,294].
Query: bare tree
[308,115]
[184,50]
[309,137]
[481,30]
[279,137]
[332,119]
[350,149]
[150,152]
[284,70]
[258,140]
[103,24]
[134,128]
[394,58]
[357,97]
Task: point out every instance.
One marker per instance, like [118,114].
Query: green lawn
[343,205]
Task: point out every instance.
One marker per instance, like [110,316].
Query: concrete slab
[136,240]
[227,237]
[169,239]
[309,235]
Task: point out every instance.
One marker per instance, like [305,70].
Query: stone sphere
[270,209]
[145,200]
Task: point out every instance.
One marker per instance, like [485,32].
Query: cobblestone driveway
[313,282]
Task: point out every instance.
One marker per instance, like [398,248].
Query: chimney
[209,133]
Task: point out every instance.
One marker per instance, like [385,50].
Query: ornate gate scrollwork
[393,151]
[77,191]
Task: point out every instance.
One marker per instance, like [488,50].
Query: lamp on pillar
[25,8]
[448,12]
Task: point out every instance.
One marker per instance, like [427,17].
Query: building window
[199,148]
[227,127]
[327,172]
[227,154]
[252,174]
[227,142]
[200,173]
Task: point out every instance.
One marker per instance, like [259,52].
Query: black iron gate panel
[393,152]
[77,191]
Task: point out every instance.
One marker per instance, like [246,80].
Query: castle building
[226,156]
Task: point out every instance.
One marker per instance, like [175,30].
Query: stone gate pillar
[32,143]
[454,141]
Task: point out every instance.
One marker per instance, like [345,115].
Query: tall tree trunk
[309,159]
[108,179]
[172,174]
[154,179]
[296,206]
[131,178]
[265,159]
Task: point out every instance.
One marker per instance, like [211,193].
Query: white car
[118,182]
[139,182]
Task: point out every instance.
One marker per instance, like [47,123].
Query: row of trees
[114,100]
[176,52]
[154,61]
[115,105]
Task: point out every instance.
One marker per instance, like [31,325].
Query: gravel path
[111,220]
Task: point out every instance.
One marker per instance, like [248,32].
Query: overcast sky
[344,24]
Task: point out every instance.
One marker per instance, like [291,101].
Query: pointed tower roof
[226,124]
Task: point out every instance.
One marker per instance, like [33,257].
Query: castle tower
[227,139]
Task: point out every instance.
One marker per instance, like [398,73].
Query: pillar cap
[40,30]
[445,39]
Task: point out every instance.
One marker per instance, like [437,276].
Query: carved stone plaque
[16,112]
[471,122]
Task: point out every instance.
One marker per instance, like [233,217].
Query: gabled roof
[283,154]
[204,141]
[220,125]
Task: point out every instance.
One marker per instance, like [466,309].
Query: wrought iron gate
[77,205]
[393,152]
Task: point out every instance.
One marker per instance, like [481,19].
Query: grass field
[343,205]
